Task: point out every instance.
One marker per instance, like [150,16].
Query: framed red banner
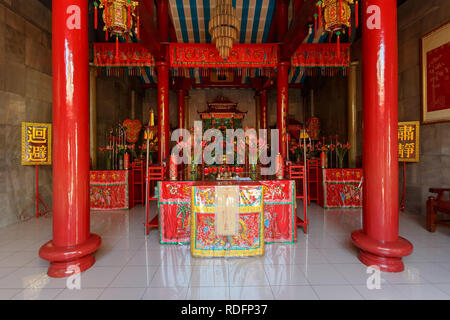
[205,55]
[130,55]
[435,58]
[321,55]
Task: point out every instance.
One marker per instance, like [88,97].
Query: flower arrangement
[341,151]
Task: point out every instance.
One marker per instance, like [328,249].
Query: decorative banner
[408,141]
[130,55]
[133,128]
[341,188]
[36,143]
[202,55]
[247,236]
[435,57]
[109,190]
[321,55]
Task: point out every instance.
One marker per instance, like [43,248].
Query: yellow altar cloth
[227,221]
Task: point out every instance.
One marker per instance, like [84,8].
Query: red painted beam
[182,83]
[172,33]
[162,8]
[297,6]
[299,30]
[282,18]
[149,32]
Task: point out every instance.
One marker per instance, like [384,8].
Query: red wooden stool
[297,173]
[313,180]
[155,174]
[137,183]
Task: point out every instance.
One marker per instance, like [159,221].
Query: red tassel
[129,16]
[320,17]
[356,14]
[96,19]
[106,13]
[137,27]
[117,48]
[315,26]
[338,45]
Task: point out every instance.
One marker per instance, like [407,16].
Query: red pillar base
[63,260]
[386,255]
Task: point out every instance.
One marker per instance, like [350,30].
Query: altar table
[340,188]
[174,205]
[109,190]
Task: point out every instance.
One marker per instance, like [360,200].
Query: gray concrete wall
[114,107]
[25,95]
[416,18]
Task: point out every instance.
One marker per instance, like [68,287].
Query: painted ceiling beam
[149,32]
[299,30]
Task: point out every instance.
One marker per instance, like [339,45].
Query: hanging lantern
[119,16]
[337,15]
[224,27]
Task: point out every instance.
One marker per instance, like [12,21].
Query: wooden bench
[435,205]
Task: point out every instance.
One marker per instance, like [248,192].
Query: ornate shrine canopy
[221,107]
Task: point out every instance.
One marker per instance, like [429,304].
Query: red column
[73,245]
[263,109]
[282,19]
[163,19]
[379,241]
[163,110]
[282,105]
[181,100]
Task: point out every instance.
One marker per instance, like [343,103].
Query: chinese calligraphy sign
[36,143]
[408,141]
[435,57]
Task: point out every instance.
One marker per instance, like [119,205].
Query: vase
[341,162]
[253,174]
[193,172]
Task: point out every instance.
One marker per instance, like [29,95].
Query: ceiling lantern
[336,16]
[119,17]
[224,27]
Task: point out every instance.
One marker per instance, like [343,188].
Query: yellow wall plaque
[408,141]
[36,143]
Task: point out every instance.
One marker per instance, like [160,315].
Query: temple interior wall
[25,95]
[416,18]
[198,99]
[114,106]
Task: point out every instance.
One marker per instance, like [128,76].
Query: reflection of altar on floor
[175,204]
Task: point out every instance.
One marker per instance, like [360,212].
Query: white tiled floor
[131,265]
